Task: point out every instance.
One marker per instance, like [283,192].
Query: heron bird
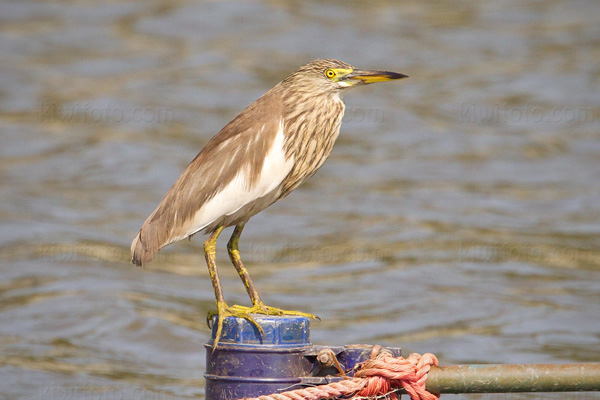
[264,153]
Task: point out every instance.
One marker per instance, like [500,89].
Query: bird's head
[327,76]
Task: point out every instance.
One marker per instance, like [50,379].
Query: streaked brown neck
[311,125]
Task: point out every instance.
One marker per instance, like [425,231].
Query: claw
[209,317]
[236,310]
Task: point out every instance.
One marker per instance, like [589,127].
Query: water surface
[459,213]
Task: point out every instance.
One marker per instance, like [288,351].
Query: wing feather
[243,162]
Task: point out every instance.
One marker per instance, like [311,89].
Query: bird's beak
[364,77]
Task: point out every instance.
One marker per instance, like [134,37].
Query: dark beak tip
[372,76]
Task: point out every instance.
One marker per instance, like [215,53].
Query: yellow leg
[210,255]
[223,310]
[258,307]
[236,259]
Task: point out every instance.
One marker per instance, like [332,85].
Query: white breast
[240,191]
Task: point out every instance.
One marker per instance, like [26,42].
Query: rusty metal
[506,378]
[326,358]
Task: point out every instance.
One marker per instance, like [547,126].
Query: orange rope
[386,373]
[379,377]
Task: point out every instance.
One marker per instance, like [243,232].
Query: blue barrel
[246,365]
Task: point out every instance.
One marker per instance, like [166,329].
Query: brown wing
[240,146]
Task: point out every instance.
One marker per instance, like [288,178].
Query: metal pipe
[505,378]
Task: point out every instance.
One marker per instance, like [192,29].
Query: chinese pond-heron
[259,157]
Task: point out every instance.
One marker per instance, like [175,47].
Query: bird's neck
[311,127]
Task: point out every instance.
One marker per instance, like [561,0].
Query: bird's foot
[262,308]
[224,311]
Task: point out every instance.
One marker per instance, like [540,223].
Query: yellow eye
[330,73]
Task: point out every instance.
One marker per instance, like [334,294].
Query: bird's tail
[139,254]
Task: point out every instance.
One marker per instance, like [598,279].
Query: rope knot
[385,374]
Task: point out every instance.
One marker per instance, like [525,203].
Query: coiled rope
[381,376]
